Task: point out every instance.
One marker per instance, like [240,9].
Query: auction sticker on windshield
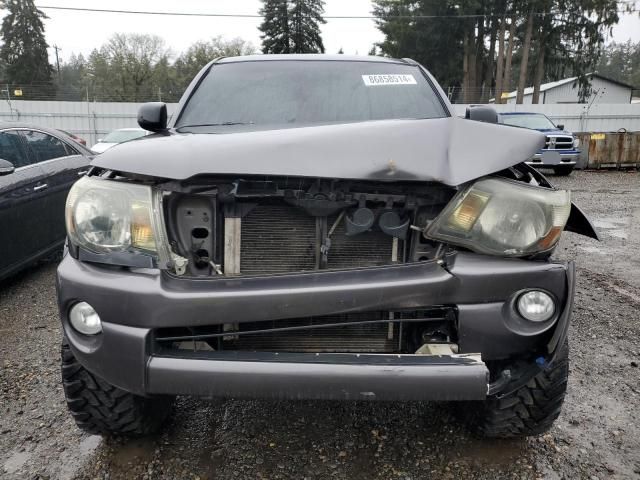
[390,79]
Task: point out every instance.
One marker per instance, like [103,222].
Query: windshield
[277,94]
[119,136]
[534,121]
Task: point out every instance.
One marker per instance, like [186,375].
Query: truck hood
[447,150]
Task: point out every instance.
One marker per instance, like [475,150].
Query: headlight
[503,217]
[105,216]
[576,143]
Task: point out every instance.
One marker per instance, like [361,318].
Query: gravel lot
[597,436]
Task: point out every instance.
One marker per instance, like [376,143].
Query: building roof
[551,85]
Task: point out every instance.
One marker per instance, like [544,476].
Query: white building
[603,89]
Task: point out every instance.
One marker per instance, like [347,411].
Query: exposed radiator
[278,238]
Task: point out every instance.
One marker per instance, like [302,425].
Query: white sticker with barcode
[388,79]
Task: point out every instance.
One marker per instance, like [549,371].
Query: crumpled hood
[448,150]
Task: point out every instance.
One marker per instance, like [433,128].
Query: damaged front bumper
[134,303]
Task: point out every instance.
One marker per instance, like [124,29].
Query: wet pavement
[597,435]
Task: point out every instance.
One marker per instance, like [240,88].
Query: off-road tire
[563,171]
[530,410]
[103,409]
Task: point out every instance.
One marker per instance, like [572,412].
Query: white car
[118,136]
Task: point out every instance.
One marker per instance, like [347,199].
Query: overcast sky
[80,32]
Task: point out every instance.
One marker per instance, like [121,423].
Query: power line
[328,17]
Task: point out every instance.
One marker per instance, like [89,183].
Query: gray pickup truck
[319,227]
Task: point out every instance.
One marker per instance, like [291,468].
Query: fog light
[536,306]
[85,319]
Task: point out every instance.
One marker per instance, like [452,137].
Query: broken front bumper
[133,303]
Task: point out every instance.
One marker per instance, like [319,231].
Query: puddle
[610,191]
[494,452]
[612,222]
[16,461]
[89,444]
[619,233]
[71,461]
[614,226]
[134,452]
[591,249]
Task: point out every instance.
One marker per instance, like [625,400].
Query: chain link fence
[145,93]
[88,93]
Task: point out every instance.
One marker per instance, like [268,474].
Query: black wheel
[531,410]
[563,171]
[100,408]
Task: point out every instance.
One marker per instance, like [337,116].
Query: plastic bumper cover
[132,303]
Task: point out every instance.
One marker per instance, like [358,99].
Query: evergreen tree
[275,27]
[190,62]
[24,49]
[435,43]
[621,61]
[458,39]
[305,19]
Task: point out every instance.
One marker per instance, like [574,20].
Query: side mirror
[560,127]
[152,116]
[6,167]
[481,113]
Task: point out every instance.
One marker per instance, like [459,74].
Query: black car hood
[448,150]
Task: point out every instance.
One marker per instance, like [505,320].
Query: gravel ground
[597,435]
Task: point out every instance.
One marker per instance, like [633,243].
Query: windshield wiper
[222,124]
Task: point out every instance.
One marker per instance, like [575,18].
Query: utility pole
[56,48]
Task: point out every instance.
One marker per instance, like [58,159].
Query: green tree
[621,61]
[435,43]
[24,49]
[583,25]
[276,37]
[292,26]
[190,62]
[126,68]
[482,46]
[72,83]
[305,20]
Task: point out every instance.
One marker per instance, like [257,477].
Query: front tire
[103,409]
[530,410]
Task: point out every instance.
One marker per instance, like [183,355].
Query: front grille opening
[282,226]
[559,143]
[362,332]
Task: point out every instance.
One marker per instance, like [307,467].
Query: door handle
[37,188]
[82,172]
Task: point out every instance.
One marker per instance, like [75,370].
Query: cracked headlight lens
[106,216]
[503,217]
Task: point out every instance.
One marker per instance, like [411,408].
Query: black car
[315,226]
[37,168]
